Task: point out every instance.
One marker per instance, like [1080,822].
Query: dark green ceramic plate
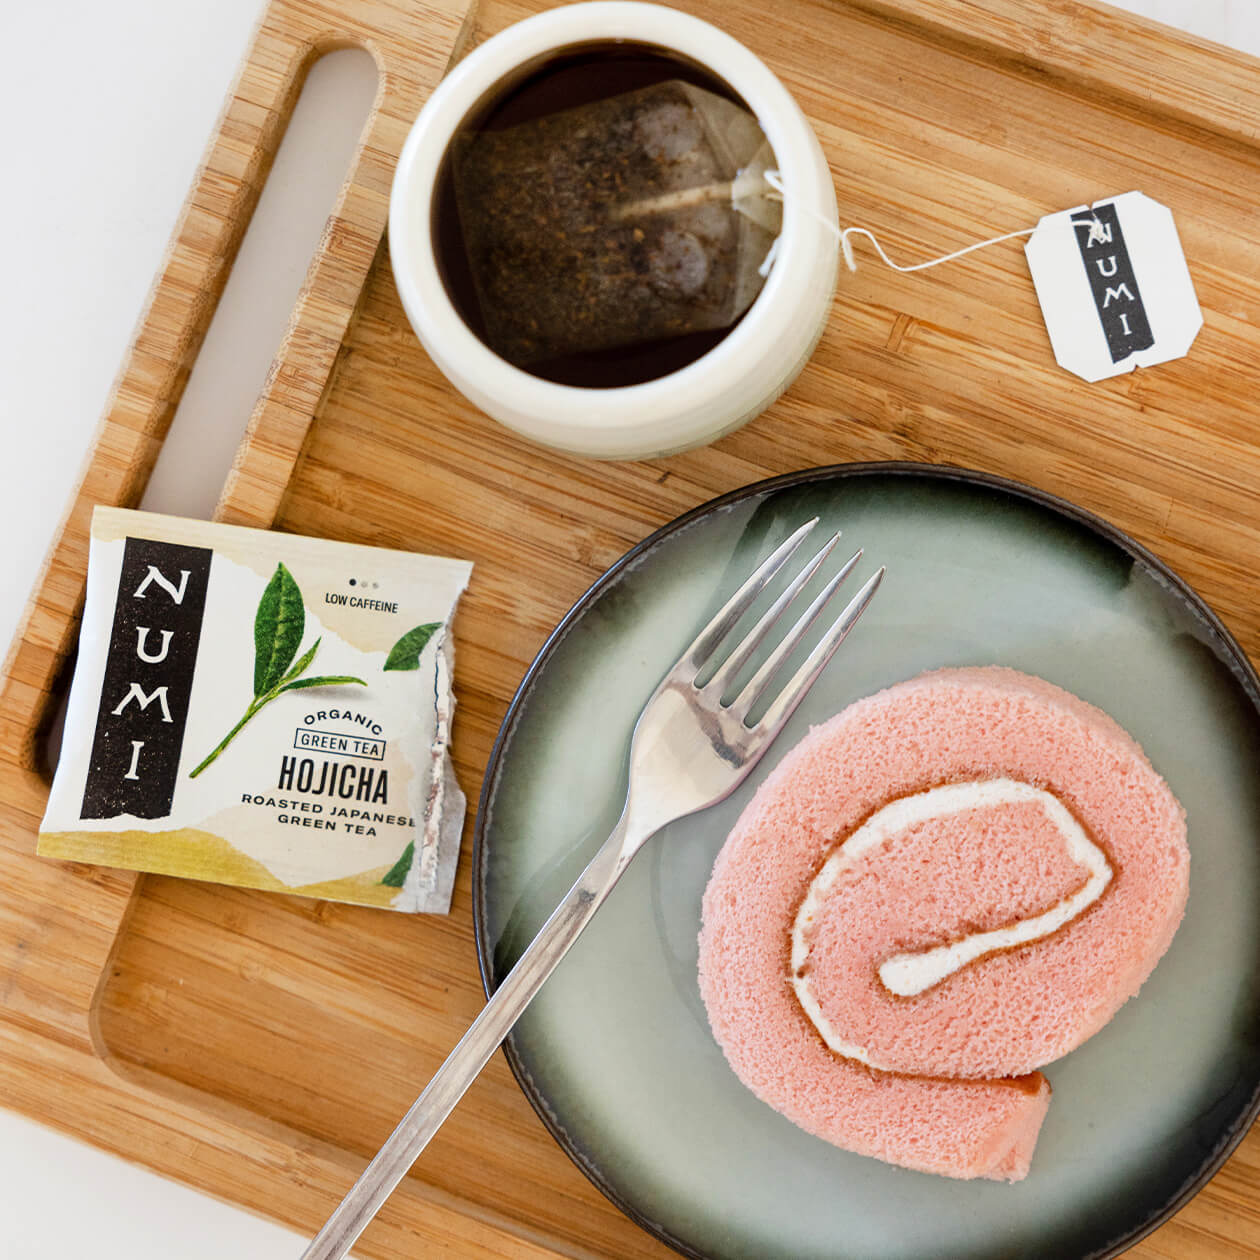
[616,1053]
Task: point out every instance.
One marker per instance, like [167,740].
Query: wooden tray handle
[412,44]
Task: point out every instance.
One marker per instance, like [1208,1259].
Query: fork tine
[757,684]
[785,703]
[744,650]
[739,603]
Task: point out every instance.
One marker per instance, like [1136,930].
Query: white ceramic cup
[731,383]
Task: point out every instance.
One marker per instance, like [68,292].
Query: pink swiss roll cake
[948,885]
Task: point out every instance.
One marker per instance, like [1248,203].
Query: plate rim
[1242,669]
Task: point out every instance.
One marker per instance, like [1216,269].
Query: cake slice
[950,884]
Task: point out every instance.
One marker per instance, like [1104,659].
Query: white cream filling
[909,974]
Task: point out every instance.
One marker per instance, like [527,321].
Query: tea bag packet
[265,710]
[628,220]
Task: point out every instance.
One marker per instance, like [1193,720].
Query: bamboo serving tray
[260,1047]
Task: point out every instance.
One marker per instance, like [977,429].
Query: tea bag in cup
[636,218]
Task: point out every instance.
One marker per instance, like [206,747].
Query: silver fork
[689,751]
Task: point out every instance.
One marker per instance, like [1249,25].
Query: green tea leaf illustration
[302,661]
[397,874]
[405,654]
[324,680]
[278,627]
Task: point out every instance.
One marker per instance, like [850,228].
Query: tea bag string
[775,181]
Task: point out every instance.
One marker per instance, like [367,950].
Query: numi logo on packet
[1113,286]
[148,680]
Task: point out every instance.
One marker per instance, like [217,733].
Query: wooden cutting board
[261,1047]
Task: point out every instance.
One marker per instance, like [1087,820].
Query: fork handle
[475,1048]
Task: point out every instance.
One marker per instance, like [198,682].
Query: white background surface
[106,109]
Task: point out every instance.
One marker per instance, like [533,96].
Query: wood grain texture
[261,1047]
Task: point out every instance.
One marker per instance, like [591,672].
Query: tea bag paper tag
[1113,286]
